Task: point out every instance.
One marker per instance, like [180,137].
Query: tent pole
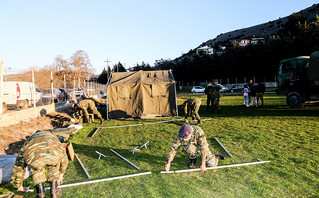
[176,98]
[217,167]
[107,95]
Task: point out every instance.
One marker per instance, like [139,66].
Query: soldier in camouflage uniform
[215,97]
[86,105]
[41,151]
[209,92]
[191,107]
[193,141]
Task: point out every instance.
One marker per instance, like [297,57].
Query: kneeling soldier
[41,151]
[194,142]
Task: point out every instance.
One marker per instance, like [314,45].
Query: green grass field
[289,138]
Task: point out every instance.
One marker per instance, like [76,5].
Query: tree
[103,77]
[119,68]
[80,63]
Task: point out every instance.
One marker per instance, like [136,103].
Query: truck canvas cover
[142,94]
[314,66]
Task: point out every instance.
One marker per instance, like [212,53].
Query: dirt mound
[12,137]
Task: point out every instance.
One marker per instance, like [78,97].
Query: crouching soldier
[86,105]
[42,151]
[193,141]
[191,107]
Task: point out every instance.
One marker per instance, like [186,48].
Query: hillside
[264,30]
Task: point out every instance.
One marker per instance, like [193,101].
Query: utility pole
[107,69]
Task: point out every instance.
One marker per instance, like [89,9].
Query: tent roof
[142,76]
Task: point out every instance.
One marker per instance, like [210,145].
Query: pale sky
[34,32]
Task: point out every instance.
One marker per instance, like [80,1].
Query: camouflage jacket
[85,104]
[216,89]
[42,148]
[190,104]
[198,139]
[209,91]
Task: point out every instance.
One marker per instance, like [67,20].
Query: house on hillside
[205,49]
[141,94]
[247,41]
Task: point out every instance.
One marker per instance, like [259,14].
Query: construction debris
[138,168]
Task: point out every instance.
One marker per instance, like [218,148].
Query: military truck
[299,79]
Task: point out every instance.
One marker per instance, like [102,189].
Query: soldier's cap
[185,131]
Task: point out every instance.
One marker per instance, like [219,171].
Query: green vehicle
[299,79]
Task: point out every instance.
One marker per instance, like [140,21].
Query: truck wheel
[294,100]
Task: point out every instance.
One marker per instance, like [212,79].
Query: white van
[19,93]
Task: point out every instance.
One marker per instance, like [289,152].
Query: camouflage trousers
[39,175]
[215,104]
[194,111]
[192,151]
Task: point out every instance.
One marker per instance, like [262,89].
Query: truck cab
[295,79]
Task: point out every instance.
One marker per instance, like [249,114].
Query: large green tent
[141,94]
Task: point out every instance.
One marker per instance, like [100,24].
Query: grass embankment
[289,138]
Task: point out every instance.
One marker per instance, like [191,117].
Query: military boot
[102,120]
[221,157]
[55,191]
[192,163]
[40,190]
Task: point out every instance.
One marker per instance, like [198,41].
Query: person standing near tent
[85,105]
[216,97]
[193,141]
[209,92]
[43,153]
[191,107]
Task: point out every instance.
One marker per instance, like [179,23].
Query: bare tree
[80,63]
[61,63]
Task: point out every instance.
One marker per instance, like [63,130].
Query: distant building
[206,49]
[253,41]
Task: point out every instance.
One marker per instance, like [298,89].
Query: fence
[23,89]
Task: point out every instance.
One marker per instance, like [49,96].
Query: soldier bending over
[86,105]
[41,151]
[191,107]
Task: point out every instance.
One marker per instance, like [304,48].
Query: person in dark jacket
[260,90]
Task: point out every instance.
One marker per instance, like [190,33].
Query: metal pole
[74,88]
[138,168]
[217,167]
[82,166]
[101,180]
[176,99]
[33,89]
[223,147]
[51,82]
[110,127]
[1,86]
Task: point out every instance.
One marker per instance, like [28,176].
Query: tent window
[158,90]
[123,92]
